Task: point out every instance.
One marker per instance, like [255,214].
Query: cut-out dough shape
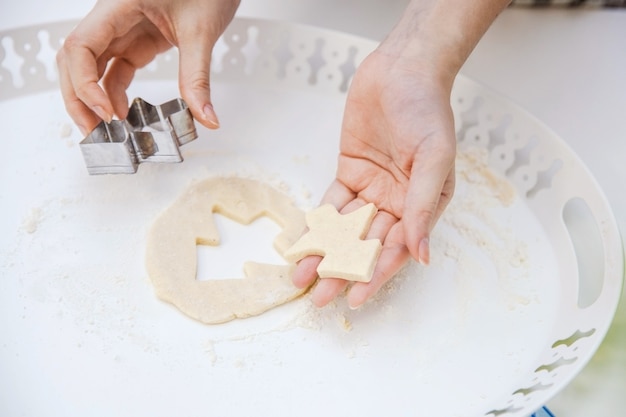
[171,256]
[339,239]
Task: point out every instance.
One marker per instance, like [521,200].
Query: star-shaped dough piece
[339,239]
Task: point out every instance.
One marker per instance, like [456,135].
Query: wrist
[435,37]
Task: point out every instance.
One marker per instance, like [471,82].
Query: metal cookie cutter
[148,134]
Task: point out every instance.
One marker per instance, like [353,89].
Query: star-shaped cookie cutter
[148,134]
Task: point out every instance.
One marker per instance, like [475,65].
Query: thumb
[430,189]
[194,78]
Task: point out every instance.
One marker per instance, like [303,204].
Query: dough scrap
[339,239]
[171,256]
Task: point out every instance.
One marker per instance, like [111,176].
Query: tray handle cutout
[587,243]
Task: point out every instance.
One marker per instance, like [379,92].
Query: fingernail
[210,116]
[102,114]
[424,251]
[299,284]
[353,301]
[354,307]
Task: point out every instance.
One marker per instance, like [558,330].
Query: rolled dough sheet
[171,256]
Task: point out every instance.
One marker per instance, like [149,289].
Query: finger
[196,39]
[446,193]
[82,49]
[392,257]
[116,81]
[432,169]
[84,77]
[352,205]
[338,194]
[85,119]
[194,77]
[327,290]
[305,273]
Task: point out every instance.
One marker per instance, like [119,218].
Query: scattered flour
[65,131]
[32,220]
[209,348]
[470,214]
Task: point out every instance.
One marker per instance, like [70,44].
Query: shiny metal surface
[148,134]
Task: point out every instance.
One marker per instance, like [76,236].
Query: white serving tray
[526,274]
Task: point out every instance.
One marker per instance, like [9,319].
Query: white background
[566,67]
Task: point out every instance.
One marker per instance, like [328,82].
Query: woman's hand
[101,55]
[398,141]
[397,151]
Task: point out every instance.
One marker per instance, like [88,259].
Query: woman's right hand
[101,55]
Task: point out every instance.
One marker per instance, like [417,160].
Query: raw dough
[339,239]
[171,250]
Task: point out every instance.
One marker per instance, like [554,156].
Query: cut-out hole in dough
[238,244]
[171,250]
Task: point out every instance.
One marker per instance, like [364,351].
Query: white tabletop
[566,67]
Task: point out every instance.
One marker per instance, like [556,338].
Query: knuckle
[200,82]
[81,90]
[425,215]
[60,58]
[71,42]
